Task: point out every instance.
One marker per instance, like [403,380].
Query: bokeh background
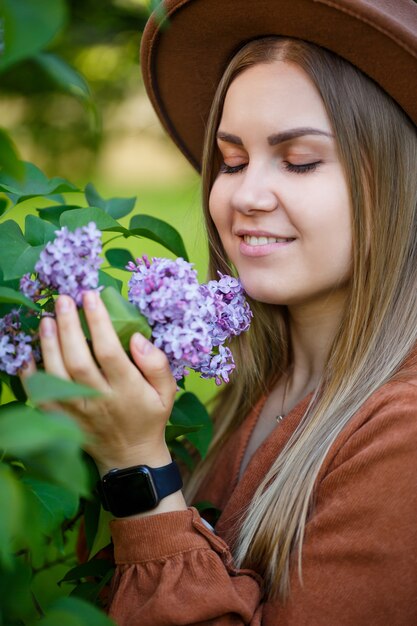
[112,138]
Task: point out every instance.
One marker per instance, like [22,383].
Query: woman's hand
[127,422]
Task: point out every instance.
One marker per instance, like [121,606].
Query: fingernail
[90,300]
[47,327]
[142,344]
[64,304]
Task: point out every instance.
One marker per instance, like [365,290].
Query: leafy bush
[47,484]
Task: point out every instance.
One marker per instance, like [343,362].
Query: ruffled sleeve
[172,569]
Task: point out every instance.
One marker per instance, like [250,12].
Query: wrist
[170,504]
[138,489]
[137,456]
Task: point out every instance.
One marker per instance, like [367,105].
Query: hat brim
[184,53]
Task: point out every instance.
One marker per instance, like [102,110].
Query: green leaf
[64,75]
[91,521]
[116,207]
[179,430]
[16,297]
[119,257]
[159,231]
[9,158]
[180,452]
[37,231]
[74,219]
[50,504]
[125,317]
[33,184]
[103,538]
[28,27]
[26,430]
[188,410]
[18,389]
[74,611]
[17,256]
[89,590]
[105,280]
[43,387]
[53,214]
[62,464]
[3,205]
[15,593]
[11,507]
[94,567]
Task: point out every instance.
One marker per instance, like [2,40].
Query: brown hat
[187,45]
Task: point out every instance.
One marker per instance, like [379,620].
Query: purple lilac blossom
[30,287]
[232,312]
[218,366]
[68,264]
[190,322]
[15,344]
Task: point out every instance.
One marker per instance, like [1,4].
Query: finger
[51,350]
[154,365]
[108,350]
[28,369]
[24,374]
[75,353]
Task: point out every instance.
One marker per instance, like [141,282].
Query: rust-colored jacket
[360,548]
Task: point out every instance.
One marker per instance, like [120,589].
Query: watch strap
[167,479]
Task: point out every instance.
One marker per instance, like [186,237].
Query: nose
[254,192]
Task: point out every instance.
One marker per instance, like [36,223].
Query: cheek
[218,208]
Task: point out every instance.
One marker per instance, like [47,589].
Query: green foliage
[34,183]
[45,17]
[116,207]
[160,231]
[16,297]
[9,159]
[119,257]
[47,483]
[125,317]
[64,75]
[42,387]
[17,255]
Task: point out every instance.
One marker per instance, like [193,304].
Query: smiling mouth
[250,240]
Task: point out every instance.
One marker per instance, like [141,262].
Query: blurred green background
[113,138]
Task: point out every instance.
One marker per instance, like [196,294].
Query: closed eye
[229,169]
[302,168]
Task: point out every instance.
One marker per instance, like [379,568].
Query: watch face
[130,491]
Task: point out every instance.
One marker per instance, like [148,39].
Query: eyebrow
[276,138]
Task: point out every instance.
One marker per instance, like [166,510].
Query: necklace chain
[281,416]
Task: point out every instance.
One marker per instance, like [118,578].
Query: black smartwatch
[137,489]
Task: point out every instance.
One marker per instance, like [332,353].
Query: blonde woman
[309,169]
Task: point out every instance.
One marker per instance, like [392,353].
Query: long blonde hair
[378,150]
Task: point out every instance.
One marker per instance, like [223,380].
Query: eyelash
[290,167]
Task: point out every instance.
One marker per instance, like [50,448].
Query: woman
[310,189]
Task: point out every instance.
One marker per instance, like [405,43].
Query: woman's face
[280,201]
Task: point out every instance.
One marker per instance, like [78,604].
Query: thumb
[154,365]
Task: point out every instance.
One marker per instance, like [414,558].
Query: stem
[50,564]
[37,605]
[69,524]
[22,552]
[112,239]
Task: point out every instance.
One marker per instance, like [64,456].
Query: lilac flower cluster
[15,344]
[190,322]
[69,264]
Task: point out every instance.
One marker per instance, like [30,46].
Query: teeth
[263,241]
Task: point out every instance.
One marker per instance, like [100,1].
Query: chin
[263,293]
